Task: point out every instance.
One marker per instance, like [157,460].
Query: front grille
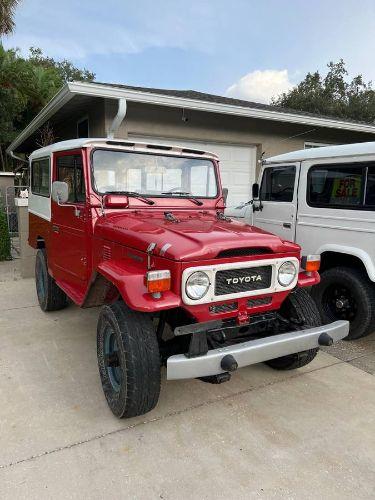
[243,280]
[222,308]
[240,252]
[259,302]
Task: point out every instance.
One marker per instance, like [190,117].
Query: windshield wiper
[188,195]
[134,195]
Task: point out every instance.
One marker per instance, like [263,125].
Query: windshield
[153,174]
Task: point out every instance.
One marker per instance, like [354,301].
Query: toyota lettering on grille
[244,279]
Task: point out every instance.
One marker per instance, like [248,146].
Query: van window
[336,186]
[40,177]
[278,184]
[370,187]
[70,170]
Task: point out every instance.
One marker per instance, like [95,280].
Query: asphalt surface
[265,434]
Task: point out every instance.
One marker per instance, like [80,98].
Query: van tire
[355,288]
[128,359]
[50,296]
[300,307]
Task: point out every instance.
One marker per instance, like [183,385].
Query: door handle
[287,225]
[55,229]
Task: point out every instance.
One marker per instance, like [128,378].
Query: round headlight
[197,285]
[287,273]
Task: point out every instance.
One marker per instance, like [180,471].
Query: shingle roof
[202,96]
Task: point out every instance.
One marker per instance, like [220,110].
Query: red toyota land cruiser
[140,230]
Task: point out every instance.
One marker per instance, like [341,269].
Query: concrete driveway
[265,434]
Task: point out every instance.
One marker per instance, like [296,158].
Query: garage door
[237,164]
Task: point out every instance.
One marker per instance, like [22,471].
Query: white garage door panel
[237,164]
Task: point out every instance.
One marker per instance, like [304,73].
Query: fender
[129,281]
[363,256]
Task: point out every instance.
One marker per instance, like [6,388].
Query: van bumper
[254,351]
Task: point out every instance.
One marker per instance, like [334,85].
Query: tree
[67,71]
[7,8]
[332,95]
[26,85]
[4,236]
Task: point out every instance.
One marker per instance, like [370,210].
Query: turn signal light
[158,281]
[311,263]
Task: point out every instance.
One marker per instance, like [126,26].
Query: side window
[370,187]
[70,170]
[278,184]
[338,186]
[40,177]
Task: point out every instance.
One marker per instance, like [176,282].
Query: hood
[195,236]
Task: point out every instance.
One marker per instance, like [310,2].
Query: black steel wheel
[128,359]
[50,296]
[301,309]
[347,293]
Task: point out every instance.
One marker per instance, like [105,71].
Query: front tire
[346,293]
[50,296]
[300,307]
[128,359]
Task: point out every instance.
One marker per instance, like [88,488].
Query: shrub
[4,237]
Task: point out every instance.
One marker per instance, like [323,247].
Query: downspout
[118,119]
[18,158]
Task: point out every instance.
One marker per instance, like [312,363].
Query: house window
[83,128]
[70,170]
[40,177]
[311,145]
[278,184]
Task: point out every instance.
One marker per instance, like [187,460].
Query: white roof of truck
[128,144]
[359,149]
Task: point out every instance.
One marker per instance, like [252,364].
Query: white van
[324,200]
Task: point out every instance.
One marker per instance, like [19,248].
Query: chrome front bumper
[253,351]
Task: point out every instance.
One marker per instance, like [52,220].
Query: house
[240,132]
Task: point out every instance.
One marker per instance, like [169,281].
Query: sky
[250,49]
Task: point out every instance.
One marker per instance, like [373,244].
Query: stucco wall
[269,137]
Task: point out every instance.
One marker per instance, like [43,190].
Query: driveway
[265,434]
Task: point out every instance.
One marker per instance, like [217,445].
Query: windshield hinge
[222,216]
[170,217]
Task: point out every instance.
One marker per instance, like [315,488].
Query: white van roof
[359,149]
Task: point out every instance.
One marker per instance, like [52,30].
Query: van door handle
[287,225]
[55,229]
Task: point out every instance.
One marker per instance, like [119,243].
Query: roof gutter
[71,89]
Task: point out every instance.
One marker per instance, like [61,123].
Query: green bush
[4,237]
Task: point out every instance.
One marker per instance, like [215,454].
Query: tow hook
[220,378]
[228,363]
[325,339]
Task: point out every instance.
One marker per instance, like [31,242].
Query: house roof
[202,96]
[360,149]
[184,99]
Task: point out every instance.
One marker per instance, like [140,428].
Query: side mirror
[60,192]
[225,195]
[255,191]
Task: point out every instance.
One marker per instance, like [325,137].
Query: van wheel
[50,296]
[128,359]
[299,307]
[346,293]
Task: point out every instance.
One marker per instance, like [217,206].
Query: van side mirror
[225,195]
[255,191]
[60,192]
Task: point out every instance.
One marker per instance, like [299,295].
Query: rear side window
[278,184]
[70,170]
[40,177]
[340,186]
